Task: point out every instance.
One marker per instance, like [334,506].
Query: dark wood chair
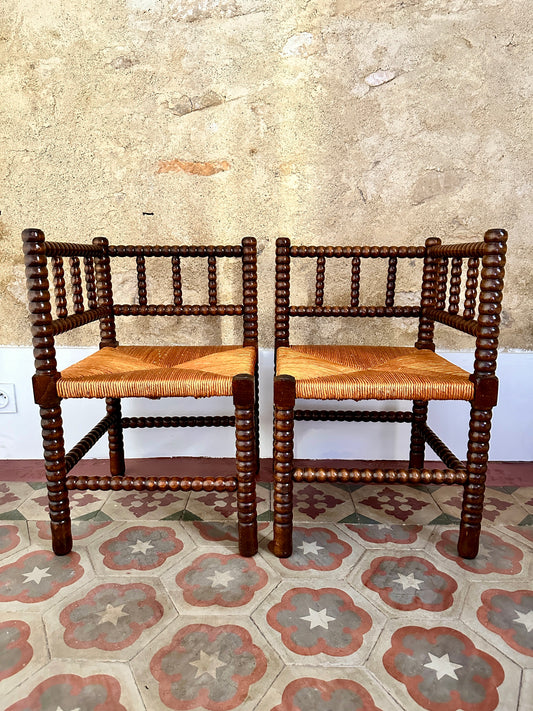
[115,371]
[418,374]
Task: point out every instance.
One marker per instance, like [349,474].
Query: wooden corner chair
[115,371]
[358,372]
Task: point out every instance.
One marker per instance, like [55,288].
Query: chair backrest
[66,308]
[473,307]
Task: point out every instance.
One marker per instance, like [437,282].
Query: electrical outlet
[8,404]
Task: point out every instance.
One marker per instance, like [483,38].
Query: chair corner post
[104,293]
[243,388]
[426,326]
[249,291]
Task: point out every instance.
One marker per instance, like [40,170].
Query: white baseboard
[511,433]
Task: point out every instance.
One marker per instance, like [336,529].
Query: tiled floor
[155,610]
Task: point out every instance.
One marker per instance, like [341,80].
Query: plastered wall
[328,121]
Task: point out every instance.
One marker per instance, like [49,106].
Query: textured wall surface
[329,121]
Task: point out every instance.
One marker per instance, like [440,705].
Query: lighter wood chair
[115,372]
[418,374]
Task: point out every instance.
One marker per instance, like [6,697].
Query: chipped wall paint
[337,121]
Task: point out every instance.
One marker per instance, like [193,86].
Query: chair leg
[256,419]
[56,474]
[284,397]
[246,462]
[418,445]
[474,491]
[116,439]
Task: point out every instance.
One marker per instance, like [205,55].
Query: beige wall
[338,121]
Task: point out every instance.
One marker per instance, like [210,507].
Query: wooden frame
[101,307]
[440,298]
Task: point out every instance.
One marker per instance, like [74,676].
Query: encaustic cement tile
[219,533]
[61,685]
[331,625]
[23,647]
[222,505]
[13,537]
[149,505]
[317,550]
[394,536]
[499,557]
[219,583]
[395,504]
[37,576]
[139,548]
[321,502]
[442,668]
[108,620]
[503,614]
[301,688]
[82,530]
[82,503]
[498,507]
[12,495]
[219,665]
[408,586]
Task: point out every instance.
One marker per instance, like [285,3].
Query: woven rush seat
[372,373]
[163,371]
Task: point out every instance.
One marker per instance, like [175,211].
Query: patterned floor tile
[321,502]
[305,688]
[316,550]
[63,685]
[526,691]
[12,495]
[498,507]
[14,537]
[82,504]
[328,625]
[149,505]
[222,505]
[443,667]
[408,586]
[23,648]
[37,578]
[220,664]
[139,548]
[219,583]
[220,533]
[395,504]
[498,558]
[503,614]
[393,536]
[85,531]
[108,620]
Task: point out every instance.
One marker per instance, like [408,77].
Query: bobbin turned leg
[54,457]
[115,436]
[418,444]
[284,398]
[474,492]
[243,400]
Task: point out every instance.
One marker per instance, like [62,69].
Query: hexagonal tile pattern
[23,648]
[429,666]
[317,551]
[498,507]
[206,663]
[392,535]
[218,582]
[222,505]
[13,536]
[82,504]
[331,625]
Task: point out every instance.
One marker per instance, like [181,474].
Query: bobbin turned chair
[417,374]
[115,372]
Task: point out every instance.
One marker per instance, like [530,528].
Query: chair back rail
[472,307]
[83,294]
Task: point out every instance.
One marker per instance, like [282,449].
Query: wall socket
[8,404]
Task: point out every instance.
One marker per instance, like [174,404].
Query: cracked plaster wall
[329,121]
